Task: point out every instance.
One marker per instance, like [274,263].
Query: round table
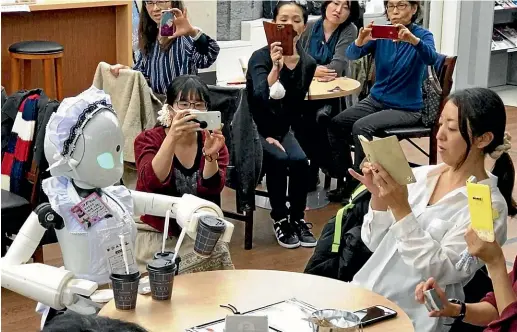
[339,87]
[196,298]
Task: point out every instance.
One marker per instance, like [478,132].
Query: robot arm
[186,210]
[49,285]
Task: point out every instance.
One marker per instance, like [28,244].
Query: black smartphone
[375,314]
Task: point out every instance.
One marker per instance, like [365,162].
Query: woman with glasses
[161,59]
[395,99]
[176,157]
[326,40]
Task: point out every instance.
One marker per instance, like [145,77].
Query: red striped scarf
[17,157]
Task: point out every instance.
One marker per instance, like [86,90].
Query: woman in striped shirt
[161,59]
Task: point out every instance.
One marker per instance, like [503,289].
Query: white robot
[84,144]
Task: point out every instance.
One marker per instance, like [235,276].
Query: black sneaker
[285,234]
[303,230]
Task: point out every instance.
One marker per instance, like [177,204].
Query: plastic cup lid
[161,264]
[215,224]
[165,255]
[126,277]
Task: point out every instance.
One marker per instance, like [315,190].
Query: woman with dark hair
[326,40]
[277,86]
[175,157]
[417,231]
[395,99]
[161,59]
[73,322]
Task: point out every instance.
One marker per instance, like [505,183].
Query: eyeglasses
[160,3]
[185,105]
[400,6]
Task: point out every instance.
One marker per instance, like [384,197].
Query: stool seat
[36,47]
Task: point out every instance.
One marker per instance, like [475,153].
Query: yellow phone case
[480,207]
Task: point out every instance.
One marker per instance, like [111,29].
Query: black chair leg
[248,230]
[326,184]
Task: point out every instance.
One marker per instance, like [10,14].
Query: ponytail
[505,173]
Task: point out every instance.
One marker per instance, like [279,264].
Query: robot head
[84,140]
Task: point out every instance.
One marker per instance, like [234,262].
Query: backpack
[340,252]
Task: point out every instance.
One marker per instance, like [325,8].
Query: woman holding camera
[161,58]
[395,99]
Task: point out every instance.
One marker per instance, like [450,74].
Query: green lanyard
[339,218]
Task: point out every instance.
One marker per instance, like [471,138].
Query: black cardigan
[275,117]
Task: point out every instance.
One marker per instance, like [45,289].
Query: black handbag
[432,97]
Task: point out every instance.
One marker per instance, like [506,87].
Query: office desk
[90,31]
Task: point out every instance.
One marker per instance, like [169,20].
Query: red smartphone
[385,32]
[283,33]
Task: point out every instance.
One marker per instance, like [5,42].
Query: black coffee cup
[209,230]
[161,278]
[125,289]
[168,255]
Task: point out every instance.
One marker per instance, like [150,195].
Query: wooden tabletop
[340,87]
[196,299]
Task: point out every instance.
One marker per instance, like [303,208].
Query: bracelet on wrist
[209,157]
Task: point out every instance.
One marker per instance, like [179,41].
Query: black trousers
[311,132]
[279,165]
[368,118]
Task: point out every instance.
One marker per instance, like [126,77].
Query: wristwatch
[463,309]
[208,157]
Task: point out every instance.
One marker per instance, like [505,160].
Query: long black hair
[72,322]
[148,28]
[300,4]
[353,6]
[184,86]
[481,111]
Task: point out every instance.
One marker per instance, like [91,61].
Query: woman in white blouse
[417,231]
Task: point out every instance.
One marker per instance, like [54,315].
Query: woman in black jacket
[277,86]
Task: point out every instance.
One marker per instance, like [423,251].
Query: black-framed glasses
[197,105]
[160,3]
[400,6]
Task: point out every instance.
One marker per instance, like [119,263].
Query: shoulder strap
[339,218]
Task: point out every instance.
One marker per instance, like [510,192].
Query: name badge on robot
[90,210]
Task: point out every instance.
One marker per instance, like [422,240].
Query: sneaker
[285,234]
[303,230]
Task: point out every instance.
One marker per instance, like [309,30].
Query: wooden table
[196,299]
[90,31]
[340,87]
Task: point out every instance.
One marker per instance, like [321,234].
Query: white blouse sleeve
[375,226]
[438,258]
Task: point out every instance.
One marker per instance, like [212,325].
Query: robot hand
[186,210]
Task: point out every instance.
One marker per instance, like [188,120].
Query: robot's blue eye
[106,161]
[122,157]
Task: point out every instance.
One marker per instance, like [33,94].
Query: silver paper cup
[332,320]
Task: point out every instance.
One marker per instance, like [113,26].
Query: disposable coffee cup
[161,278]
[125,289]
[209,230]
[168,255]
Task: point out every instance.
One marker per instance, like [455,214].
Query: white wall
[203,14]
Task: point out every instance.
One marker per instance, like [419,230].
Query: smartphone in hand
[385,32]
[167,23]
[283,33]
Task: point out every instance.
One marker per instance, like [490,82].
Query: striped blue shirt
[183,57]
